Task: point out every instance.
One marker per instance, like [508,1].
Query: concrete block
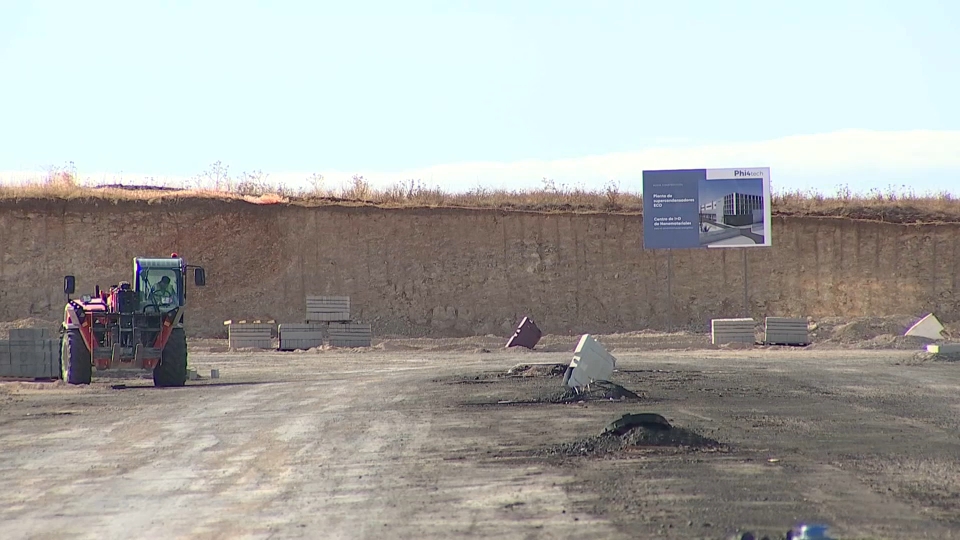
[338,316]
[29,334]
[328,308]
[250,335]
[251,343]
[25,353]
[301,336]
[527,335]
[6,368]
[36,359]
[591,362]
[51,358]
[350,335]
[786,331]
[732,331]
[944,348]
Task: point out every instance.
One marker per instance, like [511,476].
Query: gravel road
[436,444]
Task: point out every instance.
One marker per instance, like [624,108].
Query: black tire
[75,365]
[172,370]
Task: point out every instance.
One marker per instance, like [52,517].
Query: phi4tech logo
[744,172]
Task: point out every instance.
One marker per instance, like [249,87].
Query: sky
[489,93]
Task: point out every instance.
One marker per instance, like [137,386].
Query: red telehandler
[130,326]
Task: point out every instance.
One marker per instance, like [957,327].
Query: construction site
[244,369]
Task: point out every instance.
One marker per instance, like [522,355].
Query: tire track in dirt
[353,452]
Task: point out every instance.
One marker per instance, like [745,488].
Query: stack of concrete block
[350,335]
[30,353]
[6,367]
[328,309]
[786,331]
[252,335]
[301,336]
[733,331]
[946,349]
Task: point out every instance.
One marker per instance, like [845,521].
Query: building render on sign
[733,209]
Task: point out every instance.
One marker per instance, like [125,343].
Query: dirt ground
[433,439]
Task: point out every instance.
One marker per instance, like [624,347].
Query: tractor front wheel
[75,365]
[172,370]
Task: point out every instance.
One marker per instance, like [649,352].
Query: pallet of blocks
[295,336]
[349,335]
[785,331]
[30,353]
[328,309]
[6,367]
[249,335]
[732,331]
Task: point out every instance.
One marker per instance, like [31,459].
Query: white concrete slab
[591,362]
[928,327]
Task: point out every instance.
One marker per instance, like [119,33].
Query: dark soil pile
[598,391]
[639,437]
[537,370]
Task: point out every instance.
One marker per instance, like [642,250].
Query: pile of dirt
[636,438]
[597,391]
[537,370]
[924,356]
[859,330]
[891,341]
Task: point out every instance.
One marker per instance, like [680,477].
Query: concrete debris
[591,362]
[527,335]
[928,327]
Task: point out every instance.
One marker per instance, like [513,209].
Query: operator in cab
[163,292]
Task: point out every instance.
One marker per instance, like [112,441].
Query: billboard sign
[706,208]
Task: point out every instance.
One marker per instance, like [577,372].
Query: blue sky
[495,93]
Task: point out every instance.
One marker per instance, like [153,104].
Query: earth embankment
[447,272]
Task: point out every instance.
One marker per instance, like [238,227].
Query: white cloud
[923,159]
[865,158]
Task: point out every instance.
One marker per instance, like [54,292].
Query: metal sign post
[746,289]
[670,321]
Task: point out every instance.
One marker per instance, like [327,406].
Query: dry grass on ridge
[902,206]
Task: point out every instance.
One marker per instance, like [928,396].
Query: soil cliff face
[454,272]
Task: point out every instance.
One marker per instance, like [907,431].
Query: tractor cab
[159,283]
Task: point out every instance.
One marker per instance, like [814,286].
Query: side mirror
[199,277]
[69,284]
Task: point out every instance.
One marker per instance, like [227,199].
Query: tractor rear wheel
[172,370]
[75,365]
